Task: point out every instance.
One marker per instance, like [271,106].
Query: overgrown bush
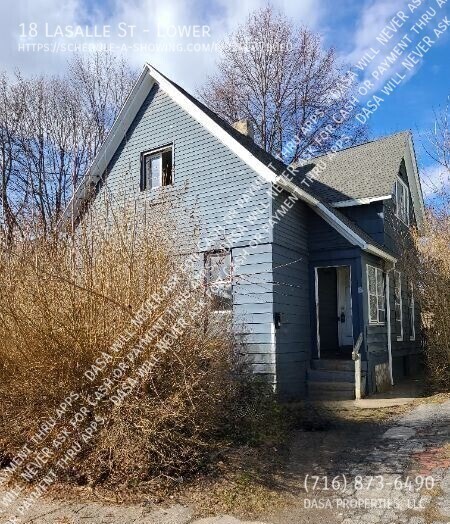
[74,305]
[430,273]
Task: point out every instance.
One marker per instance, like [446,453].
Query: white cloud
[151,42]
[397,17]
[435,179]
[31,12]
[373,19]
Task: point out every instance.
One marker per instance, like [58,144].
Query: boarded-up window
[219,280]
[376,295]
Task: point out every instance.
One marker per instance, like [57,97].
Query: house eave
[334,221]
[360,201]
[412,171]
[106,151]
[125,118]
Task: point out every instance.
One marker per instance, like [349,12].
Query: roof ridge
[301,163]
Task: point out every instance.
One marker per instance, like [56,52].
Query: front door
[334,311]
[344,300]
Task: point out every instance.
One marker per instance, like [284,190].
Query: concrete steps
[333,365]
[332,380]
[325,375]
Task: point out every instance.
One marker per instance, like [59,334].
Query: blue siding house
[315,285]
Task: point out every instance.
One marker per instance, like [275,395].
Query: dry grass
[63,304]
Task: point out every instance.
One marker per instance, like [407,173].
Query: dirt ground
[346,465]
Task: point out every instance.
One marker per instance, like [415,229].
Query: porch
[338,367]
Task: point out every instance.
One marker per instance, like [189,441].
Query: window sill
[157,189]
[402,221]
[377,323]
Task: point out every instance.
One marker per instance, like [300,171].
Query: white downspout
[389,334]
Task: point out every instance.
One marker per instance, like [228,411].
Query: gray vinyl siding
[210,182]
[396,232]
[253,307]
[291,297]
[398,239]
[378,220]
[369,217]
[209,179]
[406,345]
[323,237]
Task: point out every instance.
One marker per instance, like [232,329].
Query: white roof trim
[360,201]
[415,187]
[113,140]
[259,167]
[128,113]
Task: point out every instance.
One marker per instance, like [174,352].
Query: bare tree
[12,199]
[428,264]
[439,138]
[282,79]
[102,83]
[50,130]
[436,143]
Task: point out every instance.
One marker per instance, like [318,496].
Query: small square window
[156,169]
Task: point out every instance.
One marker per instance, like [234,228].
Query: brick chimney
[245,127]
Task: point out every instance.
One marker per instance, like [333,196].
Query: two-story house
[307,256]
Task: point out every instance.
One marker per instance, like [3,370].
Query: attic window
[157,168]
[401,201]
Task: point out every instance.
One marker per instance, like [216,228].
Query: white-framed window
[218,271]
[398,304]
[376,295]
[157,168]
[412,314]
[401,201]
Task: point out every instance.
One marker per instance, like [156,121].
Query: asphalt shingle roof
[364,171]
[313,189]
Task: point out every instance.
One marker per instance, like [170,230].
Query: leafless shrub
[66,302]
[428,267]
[430,270]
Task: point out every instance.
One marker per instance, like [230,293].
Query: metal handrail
[356,356]
[356,348]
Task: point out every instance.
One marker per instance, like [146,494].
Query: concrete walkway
[401,394]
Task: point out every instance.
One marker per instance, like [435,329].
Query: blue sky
[352,27]
[411,107]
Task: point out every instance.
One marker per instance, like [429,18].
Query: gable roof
[264,164]
[376,165]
